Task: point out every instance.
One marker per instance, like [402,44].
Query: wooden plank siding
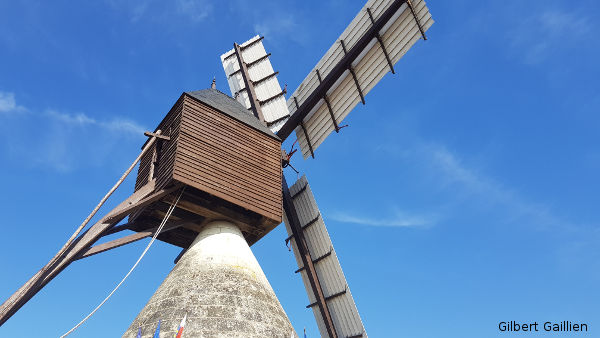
[166,157]
[228,159]
[232,170]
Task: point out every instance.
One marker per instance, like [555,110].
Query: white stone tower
[220,286]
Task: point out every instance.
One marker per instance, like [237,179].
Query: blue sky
[463,194]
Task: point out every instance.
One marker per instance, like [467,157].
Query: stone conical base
[220,286]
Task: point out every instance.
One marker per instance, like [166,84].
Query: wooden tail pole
[139,199]
[57,263]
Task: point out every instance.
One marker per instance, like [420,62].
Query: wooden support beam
[119,228]
[254,103]
[159,136]
[251,64]
[132,238]
[96,249]
[329,109]
[412,10]
[259,81]
[138,199]
[307,262]
[318,259]
[312,153]
[380,40]
[311,222]
[11,305]
[269,124]
[351,69]
[299,191]
[337,294]
[127,209]
[269,99]
[246,46]
[356,335]
[216,212]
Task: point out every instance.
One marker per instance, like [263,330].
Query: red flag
[180,329]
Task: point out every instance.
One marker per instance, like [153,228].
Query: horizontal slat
[253,165]
[225,158]
[209,165]
[218,120]
[217,190]
[221,141]
[225,191]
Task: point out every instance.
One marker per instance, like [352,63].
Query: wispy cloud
[484,189]
[280,23]
[276,26]
[195,10]
[548,31]
[80,119]
[398,220]
[164,12]
[8,103]
[470,185]
[558,22]
[63,141]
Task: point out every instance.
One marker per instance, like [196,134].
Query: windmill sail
[377,38]
[342,308]
[270,97]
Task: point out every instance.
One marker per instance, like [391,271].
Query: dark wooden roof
[231,107]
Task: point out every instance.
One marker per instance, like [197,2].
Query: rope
[162,224]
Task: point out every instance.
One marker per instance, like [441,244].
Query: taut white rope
[162,224]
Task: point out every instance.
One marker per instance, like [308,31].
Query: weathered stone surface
[220,286]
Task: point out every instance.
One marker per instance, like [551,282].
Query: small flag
[157,332]
[139,335]
[180,328]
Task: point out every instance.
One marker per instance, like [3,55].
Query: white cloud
[138,11]
[558,23]
[78,119]
[124,125]
[64,142]
[547,32]
[8,103]
[195,10]
[115,125]
[284,24]
[163,12]
[280,23]
[484,189]
[398,220]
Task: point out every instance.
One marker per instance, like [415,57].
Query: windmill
[215,162]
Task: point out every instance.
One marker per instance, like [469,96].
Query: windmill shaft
[337,71]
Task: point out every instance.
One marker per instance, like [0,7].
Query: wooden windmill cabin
[228,161]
